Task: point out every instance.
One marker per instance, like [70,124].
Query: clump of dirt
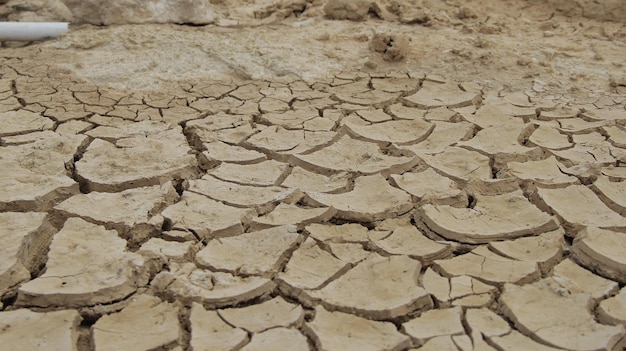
[392,47]
[355,10]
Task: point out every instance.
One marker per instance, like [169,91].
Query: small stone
[430,324]
[111,275]
[257,253]
[145,324]
[497,217]
[371,199]
[26,238]
[267,315]
[603,251]
[560,321]
[336,331]
[266,173]
[208,218]
[378,287]
[210,333]
[50,331]
[278,339]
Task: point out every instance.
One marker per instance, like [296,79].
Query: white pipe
[31,31]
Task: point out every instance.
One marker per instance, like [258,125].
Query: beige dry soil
[315,175]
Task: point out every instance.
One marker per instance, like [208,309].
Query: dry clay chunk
[278,339]
[336,331]
[286,214]
[112,273]
[207,218]
[559,321]
[50,331]
[350,155]
[23,121]
[372,199]
[26,237]
[33,176]
[210,333]
[309,268]
[378,287]
[270,314]
[145,324]
[400,132]
[408,240]
[498,217]
[487,266]
[430,186]
[448,94]
[263,199]
[218,289]
[613,310]
[578,207]
[136,161]
[255,253]
[435,323]
[603,251]
[132,212]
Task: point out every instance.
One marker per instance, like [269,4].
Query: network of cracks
[398,211]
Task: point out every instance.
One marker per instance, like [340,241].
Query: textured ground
[177,188]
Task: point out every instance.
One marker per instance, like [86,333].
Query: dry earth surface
[310,175]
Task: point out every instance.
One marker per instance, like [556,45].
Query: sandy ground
[447,176]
